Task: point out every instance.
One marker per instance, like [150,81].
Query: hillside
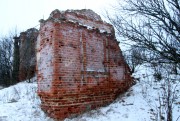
[20,102]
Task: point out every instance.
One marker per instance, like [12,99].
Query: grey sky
[25,14]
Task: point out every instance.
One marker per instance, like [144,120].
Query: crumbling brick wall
[27,67]
[79,63]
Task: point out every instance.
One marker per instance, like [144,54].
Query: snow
[90,27]
[128,107]
[102,31]
[21,103]
[92,69]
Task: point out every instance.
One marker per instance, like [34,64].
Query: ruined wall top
[84,17]
[89,14]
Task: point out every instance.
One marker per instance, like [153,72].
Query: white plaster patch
[44,66]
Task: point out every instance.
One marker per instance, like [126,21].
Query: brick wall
[79,64]
[27,66]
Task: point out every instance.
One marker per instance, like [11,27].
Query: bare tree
[6,52]
[153,25]
[7,63]
[134,57]
[168,95]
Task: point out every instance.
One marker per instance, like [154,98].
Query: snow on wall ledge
[79,63]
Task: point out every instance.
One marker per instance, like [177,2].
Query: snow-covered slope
[128,107]
[21,103]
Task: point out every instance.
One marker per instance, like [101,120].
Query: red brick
[78,68]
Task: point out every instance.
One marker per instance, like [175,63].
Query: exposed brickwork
[79,63]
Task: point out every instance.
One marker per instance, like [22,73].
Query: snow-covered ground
[128,107]
[1,87]
[21,103]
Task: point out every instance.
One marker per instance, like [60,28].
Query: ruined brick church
[79,63]
[27,54]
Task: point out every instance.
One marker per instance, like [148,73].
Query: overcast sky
[25,14]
